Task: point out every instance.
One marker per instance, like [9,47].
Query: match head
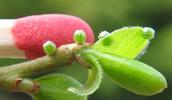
[30,33]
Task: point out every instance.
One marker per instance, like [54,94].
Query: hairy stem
[12,78]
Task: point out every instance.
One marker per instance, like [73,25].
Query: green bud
[79,36]
[148,33]
[49,48]
[103,34]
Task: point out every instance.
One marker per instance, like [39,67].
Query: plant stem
[12,77]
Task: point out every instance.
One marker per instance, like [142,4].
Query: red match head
[31,32]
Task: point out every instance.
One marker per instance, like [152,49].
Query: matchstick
[8,48]
[24,37]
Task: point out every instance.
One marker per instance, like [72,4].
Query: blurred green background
[106,15]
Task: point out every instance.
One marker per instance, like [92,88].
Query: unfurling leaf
[130,74]
[94,77]
[55,87]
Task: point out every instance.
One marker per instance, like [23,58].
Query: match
[24,37]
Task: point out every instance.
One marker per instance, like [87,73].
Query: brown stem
[11,77]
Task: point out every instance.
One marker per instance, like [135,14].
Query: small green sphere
[49,48]
[148,33]
[79,36]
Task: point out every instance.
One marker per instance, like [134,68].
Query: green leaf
[127,41]
[130,74]
[54,87]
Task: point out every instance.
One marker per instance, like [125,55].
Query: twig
[12,78]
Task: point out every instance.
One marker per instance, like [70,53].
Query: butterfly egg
[49,48]
[103,34]
[148,33]
[79,36]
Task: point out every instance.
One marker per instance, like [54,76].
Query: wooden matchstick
[8,48]
[24,37]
